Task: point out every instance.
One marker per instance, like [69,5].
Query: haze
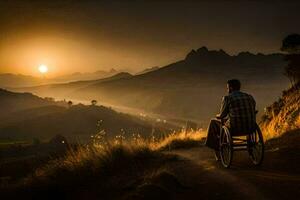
[84,36]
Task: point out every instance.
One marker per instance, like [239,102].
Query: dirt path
[277,178]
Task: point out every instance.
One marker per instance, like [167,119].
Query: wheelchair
[252,142]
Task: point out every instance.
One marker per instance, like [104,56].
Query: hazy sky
[88,35]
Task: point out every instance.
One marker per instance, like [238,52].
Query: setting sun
[43,69]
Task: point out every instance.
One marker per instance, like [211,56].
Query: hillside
[150,69]
[177,166]
[283,115]
[25,116]
[13,102]
[190,88]
[164,169]
[76,123]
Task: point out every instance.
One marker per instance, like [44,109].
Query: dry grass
[180,140]
[106,169]
[283,115]
[171,141]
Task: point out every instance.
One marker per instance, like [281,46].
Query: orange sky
[24,53]
[70,36]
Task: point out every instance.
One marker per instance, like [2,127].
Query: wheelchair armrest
[218,116]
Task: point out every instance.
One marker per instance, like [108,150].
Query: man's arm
[224,108]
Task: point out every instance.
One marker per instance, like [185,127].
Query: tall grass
[180,140]
[105,168]
[283,115]
[171,141]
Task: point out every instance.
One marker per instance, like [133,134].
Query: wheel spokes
[225,146]
[256,147]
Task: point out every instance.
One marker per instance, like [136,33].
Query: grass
[107,169]
[123,168]
[181,140]
[283,115]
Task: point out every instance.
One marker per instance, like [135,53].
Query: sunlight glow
[43,69]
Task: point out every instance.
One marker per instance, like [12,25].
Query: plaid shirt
[239,109]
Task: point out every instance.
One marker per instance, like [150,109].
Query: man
[237,113]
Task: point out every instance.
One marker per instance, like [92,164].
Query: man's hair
[235,84]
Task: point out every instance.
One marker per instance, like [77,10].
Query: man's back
[241,112]
[238,109]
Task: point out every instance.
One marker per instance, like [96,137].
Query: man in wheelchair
[237,114]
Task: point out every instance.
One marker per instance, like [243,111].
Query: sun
[43,69]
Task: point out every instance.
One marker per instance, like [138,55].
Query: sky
[84,36]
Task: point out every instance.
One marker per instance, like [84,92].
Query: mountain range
[9,80]
[86,76]
[18,80]
[188,89]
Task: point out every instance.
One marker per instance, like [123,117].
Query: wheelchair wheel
[256,146]
[226,147]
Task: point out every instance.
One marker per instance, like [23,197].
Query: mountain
[25,116]
[65,90]
[85,76]
[150,69]
[9,80]
[18,80]
[190,88]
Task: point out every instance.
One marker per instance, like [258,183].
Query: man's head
[233,85]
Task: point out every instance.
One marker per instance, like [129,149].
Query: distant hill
[76,123]
[190,88]
[26,116]
[9,80]
[13,102]
[86,76]
[147,70]
[65,90]
[18,80]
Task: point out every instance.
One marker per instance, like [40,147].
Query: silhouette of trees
[49,99]
[291,45]
[94,102]
[70,103]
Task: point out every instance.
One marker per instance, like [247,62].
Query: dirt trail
[277,178]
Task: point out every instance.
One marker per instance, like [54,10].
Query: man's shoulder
[239,94]
[248,95]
